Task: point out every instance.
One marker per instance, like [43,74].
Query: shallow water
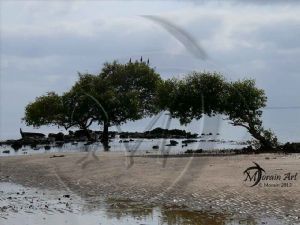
[140,145]
[23,205]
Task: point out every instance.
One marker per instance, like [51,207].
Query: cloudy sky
[45,43]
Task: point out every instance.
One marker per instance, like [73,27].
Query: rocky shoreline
[32,140]
[89,136]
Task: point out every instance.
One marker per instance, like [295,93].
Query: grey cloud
[243,2]
[283,35]
[45,58]
[280,34]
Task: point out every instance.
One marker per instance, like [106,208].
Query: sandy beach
[202,183]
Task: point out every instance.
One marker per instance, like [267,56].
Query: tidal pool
[24,205]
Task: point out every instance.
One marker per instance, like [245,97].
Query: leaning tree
[243,104]
[209,93]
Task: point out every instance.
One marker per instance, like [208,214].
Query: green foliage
[210,94]
[167,94]
[131,91]
[46,110]
[135,85]
[243,106]
[193,96]
[121,92]
[244,101]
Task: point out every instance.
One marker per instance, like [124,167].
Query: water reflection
[120,209]
[185,217]
[167,215]
[24,205]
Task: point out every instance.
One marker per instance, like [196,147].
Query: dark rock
[123,136]
[80,133]
[33,145]
[246,150]
[6,151]
[159,133]
[56,156]
[17,145]
[57,137]
[291,147]
[89,143]
[112,134]
[68,138]
[59,144]
[172,142]
[47,147]
[155,147]
[190,151]
[188,141]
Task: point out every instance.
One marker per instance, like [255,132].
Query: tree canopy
[209,93]
[119,93]
[243,106]
[131,91]
[193,96]
[47,109]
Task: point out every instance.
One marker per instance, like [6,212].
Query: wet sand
[24,205]
[202,183]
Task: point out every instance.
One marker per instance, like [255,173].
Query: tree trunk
[266,145]
[86,131]
[105,136]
